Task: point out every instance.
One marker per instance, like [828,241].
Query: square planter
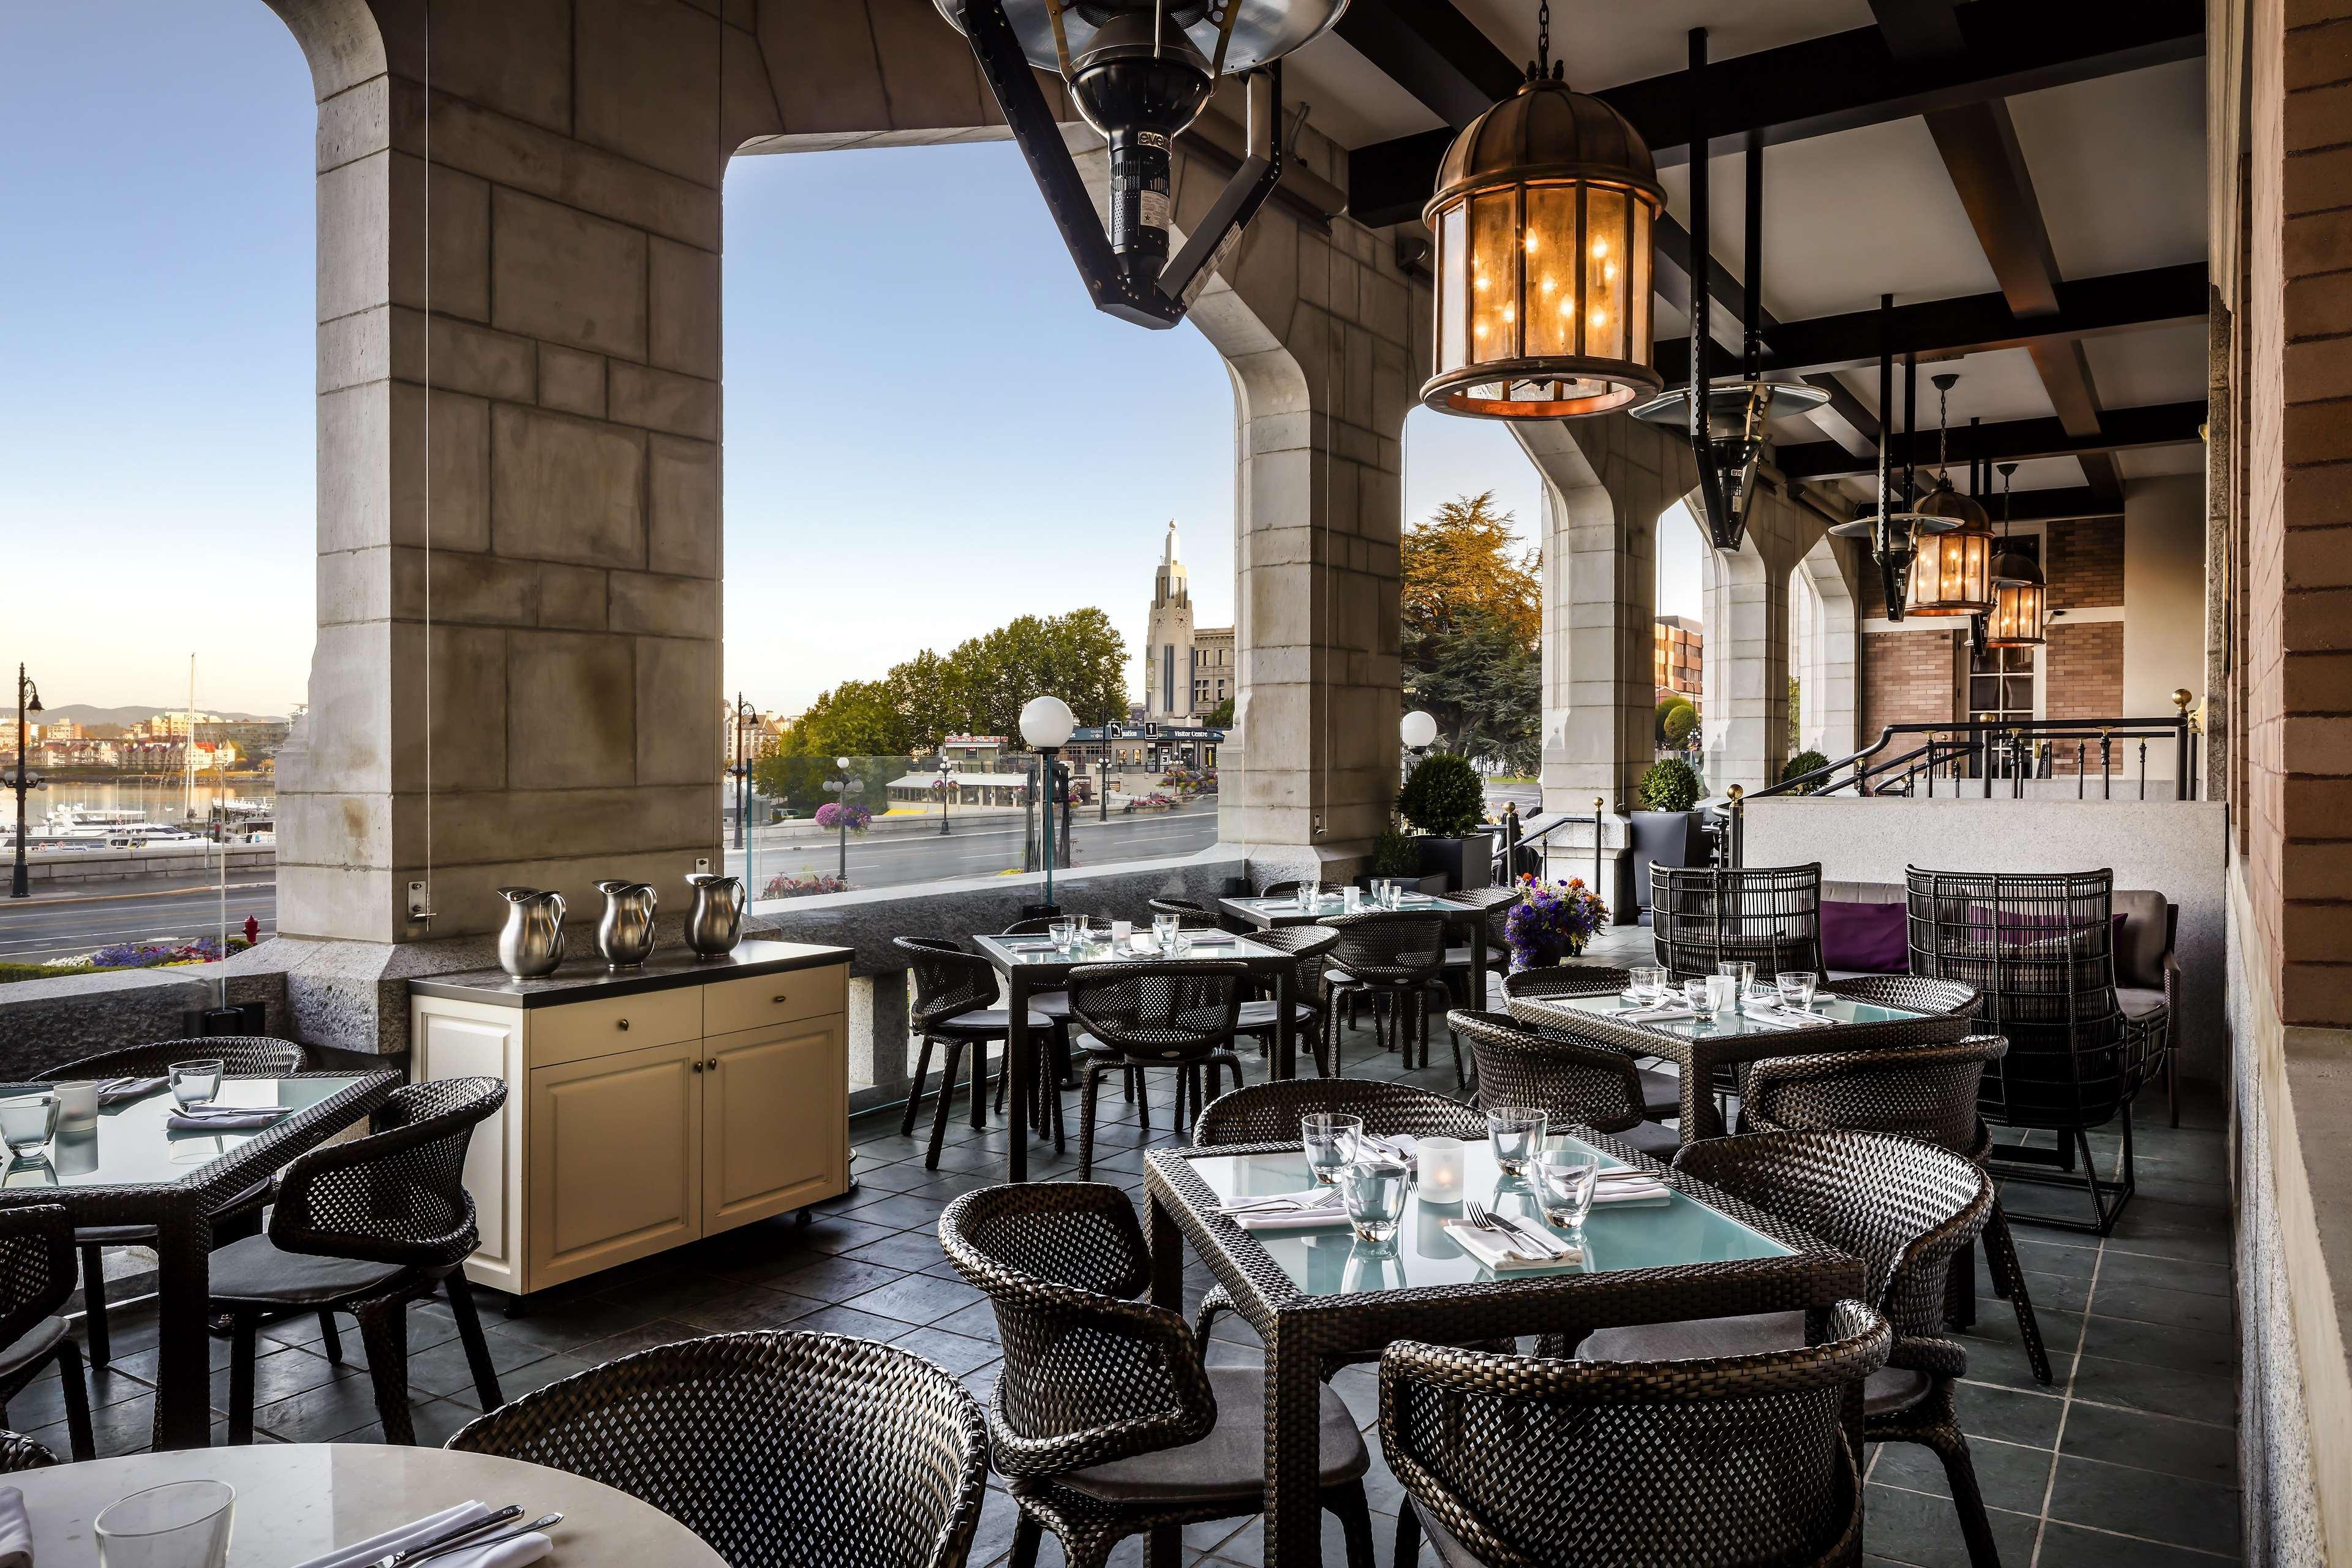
[1464,863]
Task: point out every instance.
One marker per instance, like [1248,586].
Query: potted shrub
[1665,825]
[1803,763]
[1397,855]
[1446,805]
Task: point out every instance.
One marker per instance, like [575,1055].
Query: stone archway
[1824,654]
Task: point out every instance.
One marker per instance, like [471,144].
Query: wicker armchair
[1928,1092]
[1768,915]
[1394,959]
[1577,1083]
[19,1452]
[955,1003]
[1309,946]
[1733,1460]
[240,1055]
[2039,951]
[1180,1015]
[37,1275]
[1196,917]
[1662,1092]
[1905,1209]
[1912,991]
[1106,1421]
[365,1227]
[781,1449]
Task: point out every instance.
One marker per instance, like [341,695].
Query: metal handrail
[1511,841]
[1999,740]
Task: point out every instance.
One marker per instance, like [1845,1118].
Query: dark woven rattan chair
[2039,951]
[1575,1082]
[1394,959]
[1309,946]
[1912,991]
[1054,1005]
[37,1275]
[955,1003]
[1284,890]
[1662,1091]
[1195,916]
[1105,1420]
[1768,916]
[240,1055]
[365,1227]
[1736,1460]
[19,1452]
[780,1450]
[1928,1092]
[1905,1209]
[1181,1015]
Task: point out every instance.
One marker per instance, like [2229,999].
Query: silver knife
[455,1537]
[1542,1241]
[544,1522]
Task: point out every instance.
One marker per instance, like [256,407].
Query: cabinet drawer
[585,1029]
[732,1005]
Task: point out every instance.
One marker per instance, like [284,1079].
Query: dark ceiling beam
[2013,440]
[1436,54]
[1823,85]
[2050,505]
[1978,142]
[1972,323]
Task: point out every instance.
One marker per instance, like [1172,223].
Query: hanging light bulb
[1952,571]
[1895,524]
[1547,195]
[2020,600]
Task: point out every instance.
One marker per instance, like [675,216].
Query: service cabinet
[644,1109]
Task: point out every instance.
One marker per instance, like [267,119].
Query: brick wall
[2083,559]
[1907,679]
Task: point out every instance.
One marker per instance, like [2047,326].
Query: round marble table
[300,1501]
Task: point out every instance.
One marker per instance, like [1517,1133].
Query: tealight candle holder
[1440,1164]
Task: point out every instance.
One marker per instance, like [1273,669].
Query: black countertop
[589,981]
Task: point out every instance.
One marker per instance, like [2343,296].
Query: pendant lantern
[1728,441]
[2020,601]
[1897,523]
[1952,572]
[1542,216]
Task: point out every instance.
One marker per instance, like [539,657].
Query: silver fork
[1480,1219]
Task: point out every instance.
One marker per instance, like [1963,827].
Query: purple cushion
[1864,939]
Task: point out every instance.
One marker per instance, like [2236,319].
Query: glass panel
[1551,269]
[1639,273]
[1454,317]
[1660,1232]
[1604,274]
[1984,691]
[2017,694]
[1494,276]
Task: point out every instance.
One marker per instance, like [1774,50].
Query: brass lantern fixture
[1542,217]
[1898,521]
[2019,616]
[1951,574]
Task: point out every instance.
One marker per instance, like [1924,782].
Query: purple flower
[1550,919]
[830,815]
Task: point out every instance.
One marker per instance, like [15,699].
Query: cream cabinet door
[615,1159]
[775,1122]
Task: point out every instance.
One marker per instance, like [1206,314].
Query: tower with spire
[1188,670]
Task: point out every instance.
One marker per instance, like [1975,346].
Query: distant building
[971,753]
[1680,649]
[253,739]
[762,734]
[1187,670]
[174,722]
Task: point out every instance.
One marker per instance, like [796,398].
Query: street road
[977,847]
[39,930]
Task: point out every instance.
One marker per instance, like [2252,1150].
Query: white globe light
[842,763]
[1046,723]
[1417,729]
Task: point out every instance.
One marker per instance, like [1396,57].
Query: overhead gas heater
[1140,72]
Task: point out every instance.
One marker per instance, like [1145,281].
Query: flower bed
[830,815]
[806,886]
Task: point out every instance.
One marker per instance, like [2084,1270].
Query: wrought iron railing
[1520,849]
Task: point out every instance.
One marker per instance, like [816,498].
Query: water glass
[1179,945]
[1063,932]
[1516,1131]
[1796,990]
[28,1121]
[1305,895]
[1374,1189]
[1330,1142]
[196,1083]
[1700,996]
[1564,1184]
[1742,976]
[1648,985]
[183,1525]
[1164,929]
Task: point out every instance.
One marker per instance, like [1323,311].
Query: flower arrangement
[803,887]
[831,815]
[1152,802]
[1551,921]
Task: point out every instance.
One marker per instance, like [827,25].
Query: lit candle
[1440,1160]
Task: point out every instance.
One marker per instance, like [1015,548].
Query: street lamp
[945,786]
[1045,726]
[744,716]
[28,700]
[1418,730]
[844,786]
[1102,796]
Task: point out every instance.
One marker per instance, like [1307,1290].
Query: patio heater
[1543,215]
[1727,425]
[1140,72]
[1046,723]
[1895,523]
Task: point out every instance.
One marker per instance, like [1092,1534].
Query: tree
[1221,717]
[1796,710]
[1678,720]
[1472,614]
[856,719]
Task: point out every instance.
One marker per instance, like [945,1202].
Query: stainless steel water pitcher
[625,933]
[531,941]
[714,924]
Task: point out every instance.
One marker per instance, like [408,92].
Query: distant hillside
[84,713]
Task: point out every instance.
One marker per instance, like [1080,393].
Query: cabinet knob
[779,1001]
[624,1026]
[714,1064]
[698,1067]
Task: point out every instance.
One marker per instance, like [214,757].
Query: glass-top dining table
[1313,1294]
[1266,914]
[128,1167]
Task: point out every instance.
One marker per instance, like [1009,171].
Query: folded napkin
[401,1538]
[514,1553]
[15,1530]
[1398,1146]
[1656,1015]
[1628,1187]
[225,1118]
[1499,1252]
[1288,1211]
[122,1091]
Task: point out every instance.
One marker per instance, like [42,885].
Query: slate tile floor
[2129,1457]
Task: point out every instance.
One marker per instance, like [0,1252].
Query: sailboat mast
[188,749]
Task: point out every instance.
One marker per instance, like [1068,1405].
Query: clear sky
[921,443]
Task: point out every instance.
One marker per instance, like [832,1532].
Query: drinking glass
[1564,1184]
[194,1083]
[1063,932]
[1374,1189]
[1305,895]
[1330,1142]
[1796,990]
[1517,1132]
[184,1524]
[1164,929]
[1742,976]
[28,1121]
[1648,985]
[1700,998]
[1178,945]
